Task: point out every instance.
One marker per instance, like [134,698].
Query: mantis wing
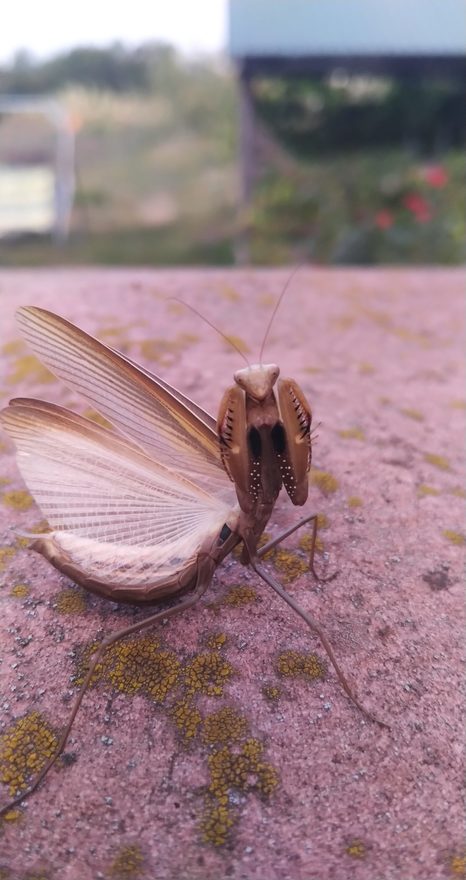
[119,518]
[173,430]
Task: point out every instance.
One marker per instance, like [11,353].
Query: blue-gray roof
[292,28]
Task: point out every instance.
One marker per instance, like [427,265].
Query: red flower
[436,176]
[384,219]
[418,206]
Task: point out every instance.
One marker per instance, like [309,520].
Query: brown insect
[150,509]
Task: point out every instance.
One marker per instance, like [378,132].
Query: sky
[49,26]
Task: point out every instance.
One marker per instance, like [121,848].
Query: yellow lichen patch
[289,564]
[139,665]
[344,321]
[458,866]
[439,461]
[16,346]
[20,591]
[459,491]
[240,595]
[238,343]
[164,351]
[30,368]
[312,370]
[216,640]
[352,434]
[356,849]
[24,749]
[243,771]
[423,490]
[12,816]
[229,293]
[128,863]
[18,499]
[366,369]
[454,537]
[294,664]
[4,481]
[414,414]
[384,400]
[355,501]
[271,692]
[216,823]
[223,727]
[324,481]
[6,555]
[458,404]
[95,416]
[84,657]
[70,601]
[305,543]
[186,718]
[207,673]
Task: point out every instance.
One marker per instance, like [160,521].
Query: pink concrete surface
[378,355]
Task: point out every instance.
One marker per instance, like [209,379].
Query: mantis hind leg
[191,599]
[302,522]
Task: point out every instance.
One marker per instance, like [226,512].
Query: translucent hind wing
[159,419]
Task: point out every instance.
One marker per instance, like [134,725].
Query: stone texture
[378,355]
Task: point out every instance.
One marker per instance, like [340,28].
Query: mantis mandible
[150,509]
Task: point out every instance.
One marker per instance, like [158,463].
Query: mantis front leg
[302,522]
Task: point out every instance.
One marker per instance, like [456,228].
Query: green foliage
[313,117]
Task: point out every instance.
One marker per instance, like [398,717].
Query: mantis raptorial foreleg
[302,522]
[315,627]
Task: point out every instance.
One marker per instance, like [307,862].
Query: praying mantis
[148,509]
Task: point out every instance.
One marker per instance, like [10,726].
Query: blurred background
[254,131]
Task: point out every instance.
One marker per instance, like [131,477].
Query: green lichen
[128,863]
[223,727]
[24,749]
[18,499]
[324,481]
[207,673]
[294,664]
[355,501]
